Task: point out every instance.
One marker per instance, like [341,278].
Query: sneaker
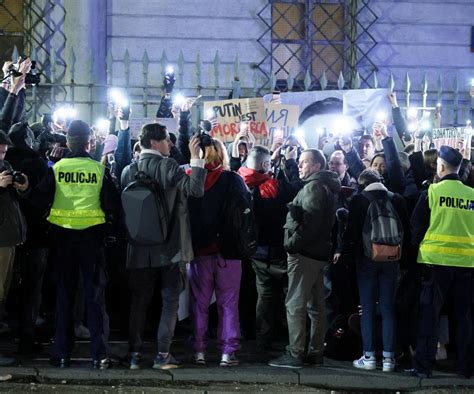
[135,360]
[165,361]
[388,364]
[287,361]
[82,332]
[199,358]
[101,364]
[228,360]
[365,362]
[441,353]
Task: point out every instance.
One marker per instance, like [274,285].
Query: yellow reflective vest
[450,238]
[77,198]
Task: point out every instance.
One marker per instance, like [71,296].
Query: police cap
[450,155]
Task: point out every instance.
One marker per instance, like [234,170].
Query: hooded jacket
[311,216]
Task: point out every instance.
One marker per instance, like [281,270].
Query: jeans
[208,274]
[378,279]
[305,297]
[142,283]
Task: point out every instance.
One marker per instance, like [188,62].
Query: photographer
[13,186]
[32,255]
[13,97]
[269,262]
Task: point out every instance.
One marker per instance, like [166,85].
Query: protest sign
[231,113]
[136,124]
[282,119]
[451,136]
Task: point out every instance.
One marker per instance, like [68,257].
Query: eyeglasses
[332,163]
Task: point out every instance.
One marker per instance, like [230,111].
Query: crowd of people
[370,243]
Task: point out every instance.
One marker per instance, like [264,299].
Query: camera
[286,148]
[204,139]
[31,79]
[17,177]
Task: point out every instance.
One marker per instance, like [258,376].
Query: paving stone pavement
[333,376]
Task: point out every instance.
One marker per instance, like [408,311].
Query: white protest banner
[231,113]
[282,119]
[136,124]
[451,136]
[332,112]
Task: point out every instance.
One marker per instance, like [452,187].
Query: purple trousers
[208,274]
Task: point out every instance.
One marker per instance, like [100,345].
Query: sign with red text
[231,113]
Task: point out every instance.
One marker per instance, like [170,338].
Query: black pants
[142,283]
[80,251]
[437,282]
[32,268]
[272,285]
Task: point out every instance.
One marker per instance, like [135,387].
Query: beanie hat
[450,155]
[110,144]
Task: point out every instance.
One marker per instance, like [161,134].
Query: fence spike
[181,69]
[15,54]
[90,66]
[391,82]
[164,62]
[126,63]
[255,81]
[237,67]
[72,64]
[290,81]
[198,69]
[439,90]
[375,80]
[340,81]
[356,82]
[407,89]
[323,81]
[53,66]
[145,64]
[217,63]
[109,61]
[273,82]
[307,80]
[456,100]
[424,89]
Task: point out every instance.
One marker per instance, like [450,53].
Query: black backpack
[237,236]
[146,212]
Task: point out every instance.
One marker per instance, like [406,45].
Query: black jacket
[29,162]
[12,222]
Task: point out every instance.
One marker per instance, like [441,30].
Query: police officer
[82,199]
[443,227]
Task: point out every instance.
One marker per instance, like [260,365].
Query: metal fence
[91,97]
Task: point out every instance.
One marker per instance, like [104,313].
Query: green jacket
[311,216]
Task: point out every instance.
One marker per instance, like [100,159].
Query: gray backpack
[382,233]
[145,209]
